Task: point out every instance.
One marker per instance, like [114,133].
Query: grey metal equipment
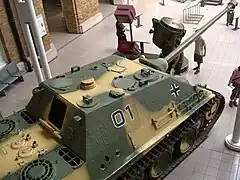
[161,64]
[232,141]
[28,20]
[170,57]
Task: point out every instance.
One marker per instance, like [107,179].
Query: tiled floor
[57,29]
[211,161]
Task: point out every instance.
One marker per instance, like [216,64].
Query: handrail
[191,15]
[170,57]
[190,3]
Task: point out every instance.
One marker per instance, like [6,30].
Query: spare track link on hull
[137,170]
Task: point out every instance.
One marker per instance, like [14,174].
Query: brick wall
[40,10]
[78,11]
[6,35]
[86,9]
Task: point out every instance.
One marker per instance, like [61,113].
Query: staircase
[191,13]
[213,2]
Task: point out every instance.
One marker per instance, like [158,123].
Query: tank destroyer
[112,119]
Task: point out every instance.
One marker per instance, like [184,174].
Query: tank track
[137,170]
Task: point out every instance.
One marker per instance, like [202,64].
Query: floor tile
[197,176]
[216,155]
[212,172]
[214,163]
[225,166]
[223,175]
[200,168]
[227,158]
[206,177]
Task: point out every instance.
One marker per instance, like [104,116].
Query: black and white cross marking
[174,90]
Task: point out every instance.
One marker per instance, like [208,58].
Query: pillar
[47,41]
[39,10]
[81,15]
[7,38]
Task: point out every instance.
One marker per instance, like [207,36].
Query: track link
[136,171]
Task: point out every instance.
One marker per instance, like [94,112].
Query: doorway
[53,12]
[106,7]
[56,25]
[57,28]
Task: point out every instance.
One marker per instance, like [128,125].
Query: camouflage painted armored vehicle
[112,119]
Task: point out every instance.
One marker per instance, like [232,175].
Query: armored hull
[112,119]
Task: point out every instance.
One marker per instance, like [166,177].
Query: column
[39,10]
[7,38]
[50,49]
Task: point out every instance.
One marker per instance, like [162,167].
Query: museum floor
[211,161]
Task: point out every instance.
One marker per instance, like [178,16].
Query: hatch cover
[123,83]
[6,126]
[39,169]
[61,83]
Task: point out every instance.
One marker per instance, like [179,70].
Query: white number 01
[118,117]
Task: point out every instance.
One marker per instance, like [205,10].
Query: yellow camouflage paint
[16,152]
[144,129]
[104,83]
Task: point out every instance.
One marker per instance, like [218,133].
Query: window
[57,112]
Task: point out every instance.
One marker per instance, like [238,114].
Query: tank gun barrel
[196,35]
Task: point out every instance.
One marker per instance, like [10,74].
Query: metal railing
[170,57]
[191,13]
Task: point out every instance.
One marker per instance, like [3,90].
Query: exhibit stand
[232,141]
